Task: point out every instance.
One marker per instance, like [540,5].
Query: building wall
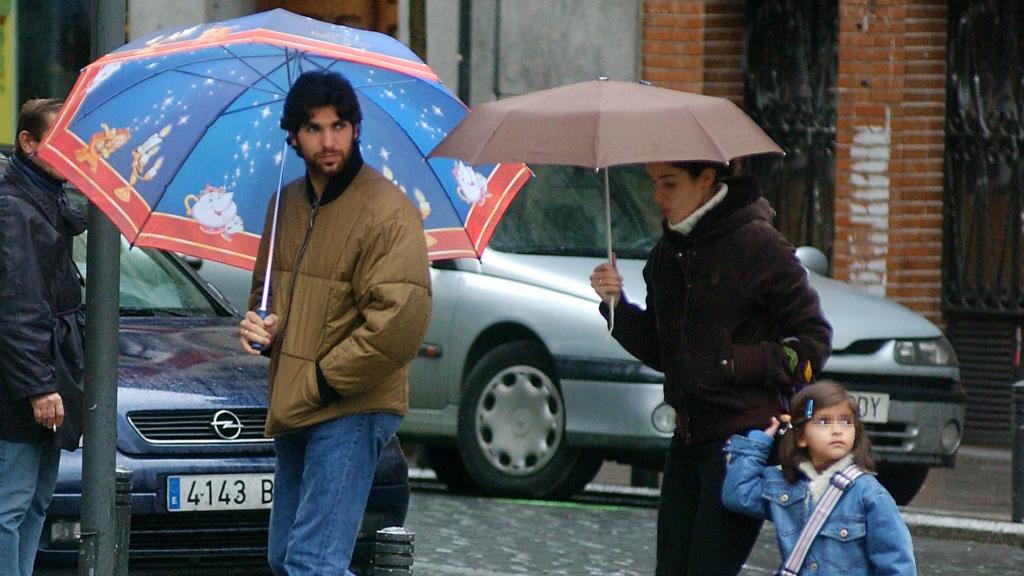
[443,40]
[146,16]
[889,149]
[528,45]
[889,132]
[694,45]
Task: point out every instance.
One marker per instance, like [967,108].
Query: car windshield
[153,283]
[561,211]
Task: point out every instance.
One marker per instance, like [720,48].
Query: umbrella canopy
[176,137]
[601,123]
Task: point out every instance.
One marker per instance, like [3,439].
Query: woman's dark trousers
[697,536]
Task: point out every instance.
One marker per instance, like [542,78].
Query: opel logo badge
[227,425]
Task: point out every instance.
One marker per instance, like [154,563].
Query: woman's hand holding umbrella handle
[607,282]
[257,330]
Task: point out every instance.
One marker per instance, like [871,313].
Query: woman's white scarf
[686,225]
[820,480]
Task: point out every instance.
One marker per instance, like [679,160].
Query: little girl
[864,533]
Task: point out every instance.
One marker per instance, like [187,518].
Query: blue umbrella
[176,136]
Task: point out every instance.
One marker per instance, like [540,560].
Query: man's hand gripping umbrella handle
[262,313]
[262,310]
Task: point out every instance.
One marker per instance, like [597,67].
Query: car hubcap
[519,420]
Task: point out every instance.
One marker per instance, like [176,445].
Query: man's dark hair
[35,118]
[315,90]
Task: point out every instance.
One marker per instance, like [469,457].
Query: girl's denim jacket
[864,534]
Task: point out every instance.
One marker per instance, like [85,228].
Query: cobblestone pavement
[466,536]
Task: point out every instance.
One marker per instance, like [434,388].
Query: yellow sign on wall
[8,73]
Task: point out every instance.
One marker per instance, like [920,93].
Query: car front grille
[235,533]
[200,426]
[227,535]
[892,436]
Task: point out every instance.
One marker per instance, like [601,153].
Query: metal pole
[103,265]
[122,519]
[1017,471]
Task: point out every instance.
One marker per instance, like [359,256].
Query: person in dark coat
[41,353]
[733,324]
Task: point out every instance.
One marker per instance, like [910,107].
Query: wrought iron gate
[789,72]
[983,297]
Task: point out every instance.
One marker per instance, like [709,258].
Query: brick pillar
[889,149]
[694,45]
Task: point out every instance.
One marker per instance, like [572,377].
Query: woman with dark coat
[733,324]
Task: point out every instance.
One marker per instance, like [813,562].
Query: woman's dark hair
[315,90]
[825,394]
[722,171]
[34,118]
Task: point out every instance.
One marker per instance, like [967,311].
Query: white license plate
[198,493]
[874,407]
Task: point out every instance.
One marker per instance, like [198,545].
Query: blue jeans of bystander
[28,474]
[323,477]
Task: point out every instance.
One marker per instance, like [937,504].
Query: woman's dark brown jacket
[720,302]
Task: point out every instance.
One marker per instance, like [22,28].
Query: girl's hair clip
[810,408]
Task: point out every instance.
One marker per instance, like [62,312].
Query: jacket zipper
[298,261]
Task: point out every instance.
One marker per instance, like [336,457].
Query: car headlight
[937,352]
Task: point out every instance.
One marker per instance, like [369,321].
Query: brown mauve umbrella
[601,123]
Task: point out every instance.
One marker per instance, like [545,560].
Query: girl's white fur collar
[820,480]
[686,225]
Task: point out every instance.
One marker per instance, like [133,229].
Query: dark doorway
[789,72]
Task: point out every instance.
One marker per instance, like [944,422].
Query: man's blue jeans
[28,474]
[323,477]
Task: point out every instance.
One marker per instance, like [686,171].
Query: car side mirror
[813,259]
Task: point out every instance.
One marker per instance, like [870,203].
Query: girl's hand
[773,427]
[783,424]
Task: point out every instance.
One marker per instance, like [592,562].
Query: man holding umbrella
[41,359]
[349,303]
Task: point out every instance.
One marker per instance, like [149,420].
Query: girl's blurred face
[828,435]
[676,192]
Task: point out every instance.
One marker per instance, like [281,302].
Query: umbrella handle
[262,313]
[262,310]
[611,255]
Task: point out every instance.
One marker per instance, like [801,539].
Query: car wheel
[511,430]
[450,470]
[903,481]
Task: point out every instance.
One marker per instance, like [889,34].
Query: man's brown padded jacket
[351,286]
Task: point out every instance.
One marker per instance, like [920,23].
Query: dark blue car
[191,408]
